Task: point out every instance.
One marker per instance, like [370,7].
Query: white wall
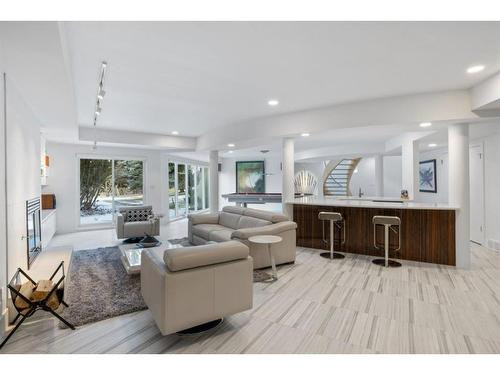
[20,168]
[23,173]
[441,157]
[492,190]
[392,176]
[63,179]
[364,179]
[3,231]
[227,177]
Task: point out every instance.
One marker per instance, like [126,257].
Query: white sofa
[189,286]
[239,223]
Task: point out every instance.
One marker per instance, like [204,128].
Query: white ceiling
[36,63]
[197,76]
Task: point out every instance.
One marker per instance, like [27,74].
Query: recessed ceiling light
[305,134]
[230,151]
[175,132]
[475,69]
[432,145]
[230,145]
[425,124]
[273,102]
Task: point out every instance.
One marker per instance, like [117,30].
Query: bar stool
[337,220]
[389,223]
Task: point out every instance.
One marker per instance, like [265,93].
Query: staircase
[339,175]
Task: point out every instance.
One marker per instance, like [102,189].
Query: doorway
[476,168]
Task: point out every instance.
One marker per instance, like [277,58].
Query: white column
[288,188]
[458,186]
[379,175]
[213,188]
[409,165]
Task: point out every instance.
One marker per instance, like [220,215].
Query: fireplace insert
[33,229]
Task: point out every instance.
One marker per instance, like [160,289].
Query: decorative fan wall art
[305,182]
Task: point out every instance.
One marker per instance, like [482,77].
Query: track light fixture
[101,93]
[99,98]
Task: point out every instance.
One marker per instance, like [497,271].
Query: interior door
[476,163]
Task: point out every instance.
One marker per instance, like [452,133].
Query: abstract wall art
[250,177]
[427,176]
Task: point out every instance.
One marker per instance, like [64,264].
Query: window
[106,185]
[199,188]
[181,190]
[172,168]
[188,189]
[191,188]
[205,187]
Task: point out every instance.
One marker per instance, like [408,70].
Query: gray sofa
[135,221]
[189,286]
[239,223]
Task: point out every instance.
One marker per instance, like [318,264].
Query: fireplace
[33,229]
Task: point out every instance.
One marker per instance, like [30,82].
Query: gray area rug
[258,275]
[98,287]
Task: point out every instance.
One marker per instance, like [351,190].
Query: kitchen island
[427,229]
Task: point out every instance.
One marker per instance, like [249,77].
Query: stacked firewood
[36,293]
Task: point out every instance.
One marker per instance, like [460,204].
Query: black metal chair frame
[34,306]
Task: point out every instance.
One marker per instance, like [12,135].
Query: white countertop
[368,202]
[47,213]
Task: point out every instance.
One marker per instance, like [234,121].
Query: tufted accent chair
[135,221]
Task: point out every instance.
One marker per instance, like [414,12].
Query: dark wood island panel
[426,235]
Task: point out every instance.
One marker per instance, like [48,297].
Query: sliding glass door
[128,183]
[106,185]
[181,190]
[187,189]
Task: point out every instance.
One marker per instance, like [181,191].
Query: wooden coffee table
[268,240]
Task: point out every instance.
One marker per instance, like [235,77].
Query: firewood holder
[33,306]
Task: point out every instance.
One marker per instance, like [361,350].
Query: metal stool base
[390,263]
[335,255]
[201,328]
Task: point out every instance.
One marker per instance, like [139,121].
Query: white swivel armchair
[136,222]
[190,286]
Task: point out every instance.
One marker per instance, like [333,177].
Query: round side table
[268,240]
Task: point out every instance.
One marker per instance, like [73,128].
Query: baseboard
[493,244]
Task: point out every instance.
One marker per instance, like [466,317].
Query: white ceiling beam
[395,143]
[351,150]
[136,138]
[440,106]
[485,97]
